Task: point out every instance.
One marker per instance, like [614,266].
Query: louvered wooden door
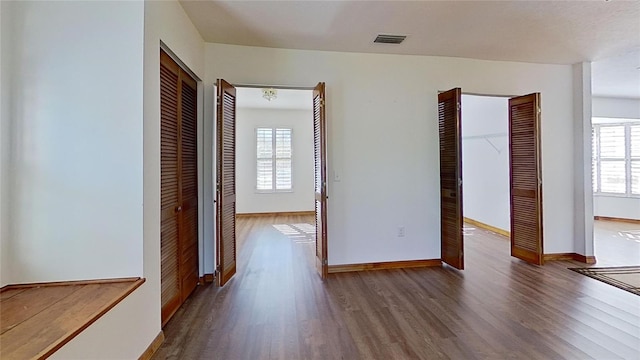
[525,178]
[189,186]
[320,178]
[226,182]
[451,218]
[179,186]
[171,296]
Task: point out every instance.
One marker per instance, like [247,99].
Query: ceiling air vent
[389,39]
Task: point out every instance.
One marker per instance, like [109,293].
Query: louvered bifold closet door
[451,221]
[525,177]
[169,187]
[189,166]
[320,178]
[226,182]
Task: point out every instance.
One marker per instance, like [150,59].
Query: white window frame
[274,159]
[627,155]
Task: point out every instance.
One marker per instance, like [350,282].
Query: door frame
[539,159]
[216,159]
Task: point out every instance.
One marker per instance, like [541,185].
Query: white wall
[485,160]
[76,115]
[615,108]
[612,206]
[582,190]
[383,139]
[301,198]
[5,72]
[139,314]
[616,207]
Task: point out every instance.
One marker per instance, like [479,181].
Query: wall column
[583,188]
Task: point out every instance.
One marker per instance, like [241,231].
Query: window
[616,159]
[273,160]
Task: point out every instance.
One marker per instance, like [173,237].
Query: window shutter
[273,159]
[612,159]
[283,159]
[612,142]
[635,159]
[265,159]
[594,158]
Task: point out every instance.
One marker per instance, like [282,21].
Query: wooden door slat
[451,217]
[226,179]
[170,295]
[179,272]
[320,177]
[189,192]
[525,178]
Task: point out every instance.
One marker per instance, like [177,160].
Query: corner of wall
[5,139]
[583,196]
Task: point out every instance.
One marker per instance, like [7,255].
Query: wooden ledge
[38,319]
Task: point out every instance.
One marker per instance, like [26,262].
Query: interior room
[274,166]
[118,142]
[292,188]
[485,165]
[615,136]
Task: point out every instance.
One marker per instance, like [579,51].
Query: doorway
[525,185]
[616,190]
[274,171]
[485,165]
[256,172]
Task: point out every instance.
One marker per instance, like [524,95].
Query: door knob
[178,208]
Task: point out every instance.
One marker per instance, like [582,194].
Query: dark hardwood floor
[276,307]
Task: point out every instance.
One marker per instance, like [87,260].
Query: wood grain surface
[38,321]
[499,307]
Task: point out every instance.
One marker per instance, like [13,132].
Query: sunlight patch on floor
[630,234]
[299,233]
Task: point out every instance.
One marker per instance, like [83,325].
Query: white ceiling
[555,32]
[617,76]
[287,99]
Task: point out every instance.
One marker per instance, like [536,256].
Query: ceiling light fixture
[270,94]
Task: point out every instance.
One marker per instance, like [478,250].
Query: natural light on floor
[631,235]
[300,233]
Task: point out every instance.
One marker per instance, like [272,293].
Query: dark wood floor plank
[276,307]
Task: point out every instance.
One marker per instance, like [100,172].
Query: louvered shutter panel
[594,158]
[612,159]
[179,186]
[525,178]
[189,213]
[226,178]
[451,218]
[169,199]
[320,178]
[283,159]
[635,159]
[264,171]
